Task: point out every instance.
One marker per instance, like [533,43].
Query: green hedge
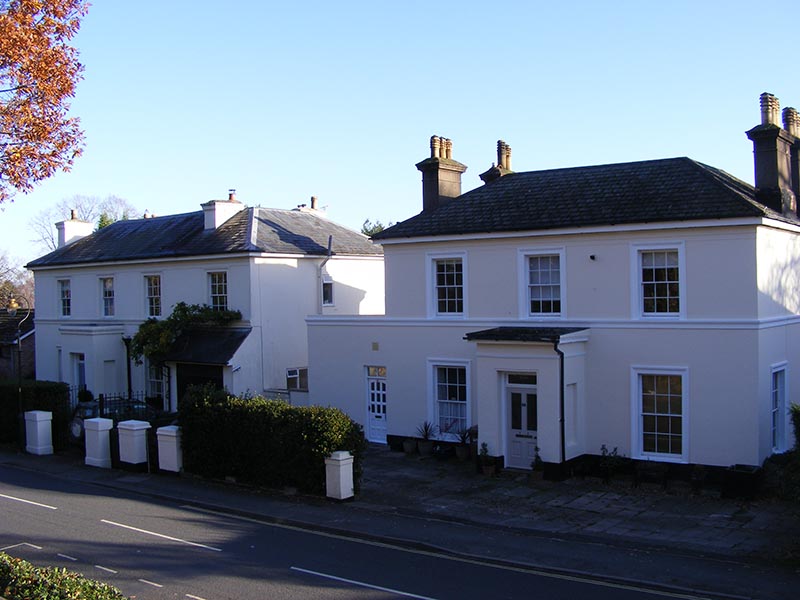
[36,395]
[264,442]
[20,580]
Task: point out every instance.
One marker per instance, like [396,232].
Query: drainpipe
[127,342]
[562,433]
[319,275]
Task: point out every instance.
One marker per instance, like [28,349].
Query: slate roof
[268,230]
[674,189]
[212,346]
[521,334]
[8,325]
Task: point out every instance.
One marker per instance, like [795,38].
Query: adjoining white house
[274,266]
[649,306]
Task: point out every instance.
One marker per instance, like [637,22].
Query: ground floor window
[661,410]
[297,379]
[778,408]
[157,382]
[451,399]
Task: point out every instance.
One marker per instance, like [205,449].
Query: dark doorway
[192,374]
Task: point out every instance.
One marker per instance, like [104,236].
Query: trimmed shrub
[36,395]
[264,442]
[794,412]
[20,580]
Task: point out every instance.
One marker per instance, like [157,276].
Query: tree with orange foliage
[38,74]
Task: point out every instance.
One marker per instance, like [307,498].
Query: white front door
[376,404]
[522,437]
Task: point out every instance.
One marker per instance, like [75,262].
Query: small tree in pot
[427,431]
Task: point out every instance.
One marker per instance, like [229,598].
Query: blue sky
[183,100]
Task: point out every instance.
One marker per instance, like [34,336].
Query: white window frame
[637,450]
[61,298]
[327,281]
[211,295]
[637,299]
[111,304]
[432,258]
[523,260]
[294,376]
[148,313]
[778,414]
[433,397]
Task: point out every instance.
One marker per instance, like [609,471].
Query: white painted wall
[737,281]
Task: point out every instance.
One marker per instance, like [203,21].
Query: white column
[170,455]
[133,441]
[39,432]
[339,475]
[98,444]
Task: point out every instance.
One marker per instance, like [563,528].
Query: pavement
[673,540]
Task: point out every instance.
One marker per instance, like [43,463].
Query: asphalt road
[154,549]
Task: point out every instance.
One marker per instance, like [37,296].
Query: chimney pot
[72,215]
[791,121]
[770,108]
[313,203]
[232,195]
[436,145]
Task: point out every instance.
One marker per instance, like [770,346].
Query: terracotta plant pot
[409,446]
[462,452]
[425,447]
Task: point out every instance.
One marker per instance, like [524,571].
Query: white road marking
[72,558]
[158,585]
[21,544]
[361,584]
[28,502]
[587,579]
[160,535]
[106,569]
[194,597]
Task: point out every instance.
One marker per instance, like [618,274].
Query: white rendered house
[652,307]
[274,266]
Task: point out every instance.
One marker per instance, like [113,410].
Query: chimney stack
[503,164]
[217,212]
[791,123]
[441,175]
[72,229]
[775,153]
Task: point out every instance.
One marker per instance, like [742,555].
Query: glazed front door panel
[522,426]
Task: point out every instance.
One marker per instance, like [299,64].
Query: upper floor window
[660,282]
[449,286]
[153,290]
[544,284]
[659,289]
[65,297]
[107,291]
[218,286]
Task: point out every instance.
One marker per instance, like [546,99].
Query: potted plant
[427,431]
[462,449]
[537,465]
[409,445]
[486,461]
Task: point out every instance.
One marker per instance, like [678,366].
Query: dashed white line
[158,585]
[361,583]
[29,502]
[160,535]
[106,569]
[194,597]
[72,558]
